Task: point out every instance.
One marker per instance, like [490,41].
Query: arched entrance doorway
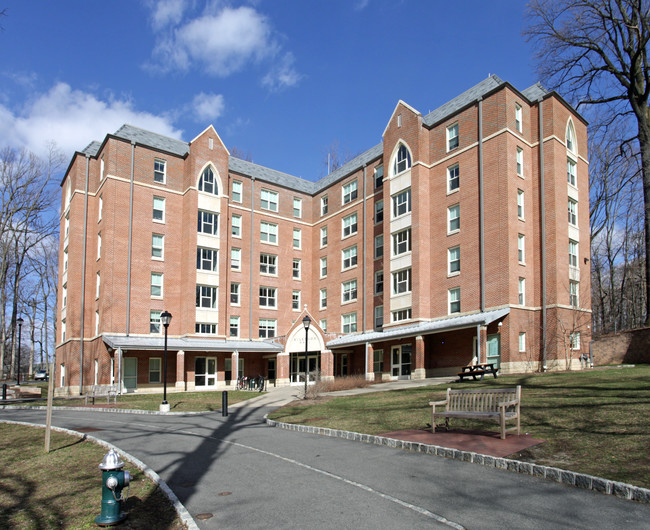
[296,349]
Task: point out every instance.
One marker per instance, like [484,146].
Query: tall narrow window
[522,341]
[379,211]
[454,260]
[235,289]
[454,300]
[207,182]
[159,209]
[452,137]
[379,246]
[521,248]
[97,285]
[236,225]
[157,246]
[237,190]
[520,204]
[573,253]
[379,176]
[518,119]
[574,297]
[295,300]
[379,317]
[234,326]
[159,170]
[573,212]
[154,322]
[323,205]
[520,161]
[522,291]
[350,225]
[453,218]
[323,267]
[323,298]
[297,207]
[296,266]
[99,246]
[402,160]
[350,192]
[100,208]
[570,137]
[348,291]
[156,285]
[235,259]
[323,236]
[349,257]
[297,238]
[402,281]
[453,177]
[571,171]
[379,282]
[402,203]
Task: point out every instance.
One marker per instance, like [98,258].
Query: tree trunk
[644,145]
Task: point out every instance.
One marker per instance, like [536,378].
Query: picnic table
[477,371]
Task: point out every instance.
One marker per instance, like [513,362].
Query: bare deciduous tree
[595,51]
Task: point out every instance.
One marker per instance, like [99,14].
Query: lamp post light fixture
[20,321]
[306,322]
[165,318]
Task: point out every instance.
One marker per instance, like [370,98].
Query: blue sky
[281,79]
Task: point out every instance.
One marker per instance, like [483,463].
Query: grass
[62,489]
[178,401]
[594,422]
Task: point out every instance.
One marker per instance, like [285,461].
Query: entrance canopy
[421,328]
[189,344]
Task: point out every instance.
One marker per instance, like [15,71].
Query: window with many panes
[235,259]
[235,293]
[350,192]
[402,281]
[268,264]
[349,258]
[574,297]
[234,326]
[454,260]
[267,328]
[268,297]
[570,137]
[402,160]
[154,322]
[520,204]
[349,323]
[454,300]
[297,238]
[205,328]
[574,340]
[297,207]
[379,317]
[571,171]
[269,200]
[323,267]
[453,218]
[159,209]
[207,182]
[157,246]
[156,284]
[379,246]
[379,211]
[207,259]
[268,232]
[295,300]
[573,212]
[237,190]
[453,178]
[379,282]
[159,170]
[401,314]
[402,203]
[349,291]
[296,266]
[521,300]
[323,236]
[573,253]
[323,298]
[236,225]
[208,223]
[324,205]
[349,225]
[452,137]
[401,242]
[206,296]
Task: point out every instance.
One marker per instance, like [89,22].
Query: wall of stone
[626,347]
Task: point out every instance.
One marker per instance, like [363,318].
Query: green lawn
[178,401]
[62,489]
[595,422]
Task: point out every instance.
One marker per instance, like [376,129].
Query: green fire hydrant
[114,480]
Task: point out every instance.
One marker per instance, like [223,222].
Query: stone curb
[182,512]
[569,478]
[121,411]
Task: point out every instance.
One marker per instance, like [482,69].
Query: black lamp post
[306,322]
[166,318]
[20,327]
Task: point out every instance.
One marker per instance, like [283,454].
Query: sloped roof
[535,92]
[158,141]
[421,328]
[270,175]
[189,344]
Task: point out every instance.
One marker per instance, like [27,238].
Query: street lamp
[166,318]
[20,327]
[305,322]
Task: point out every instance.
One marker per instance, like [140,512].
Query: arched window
[402,160]
[570,137]
[207,182]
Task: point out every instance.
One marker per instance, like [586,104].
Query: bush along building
[462,237]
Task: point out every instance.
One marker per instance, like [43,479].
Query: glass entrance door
[401,361]
[205,372]
[130,373]
[298,367]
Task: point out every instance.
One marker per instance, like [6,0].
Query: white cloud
[208,107]
[282,75]
[72,119]
[166,12]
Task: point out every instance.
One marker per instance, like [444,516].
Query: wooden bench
[477,371]
[98,391]
[501,404]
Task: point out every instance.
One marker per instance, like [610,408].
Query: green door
[130,373]
[494,349]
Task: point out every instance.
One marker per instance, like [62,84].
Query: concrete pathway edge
[182,512]
[568,478]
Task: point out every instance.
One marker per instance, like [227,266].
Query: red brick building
[462,237]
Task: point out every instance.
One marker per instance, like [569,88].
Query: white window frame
[295,300]
[454,298]
[267,328]
[349,322]
[379,317]
[156,285]
[268,295]
[518,118]
[401,203]
[99,247]
[349,225]
[350,192]
[268,233]
[269,200]
[453,178]
[268,264]
[521,249]
[97,285]
[158,206]
[402,161]
[323,298]
[323,267]
[208,223]
[453,137]
[100,208]
[297,207]
[574,340]
[208,182]
[155,322]
[155,368]
[379,246]
[296,269]
[522,341]
[236,226]
[352,257]
[323,236]
[158,246]
[402,281]
[234,324]
[379,282]
[235,259]
[324,205]
[159,170]
[573,212]
[323,324]
[237,191]
[574,294]
[297,238]
[520,204]
[235,293]
[521,291]
[453,261]
[400,315]
[573,253]
[207,293]
[379,177]
[207,259]
[572,172]
[451,219]
[520,162]
[379,212]
[349,291]
[402,242]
